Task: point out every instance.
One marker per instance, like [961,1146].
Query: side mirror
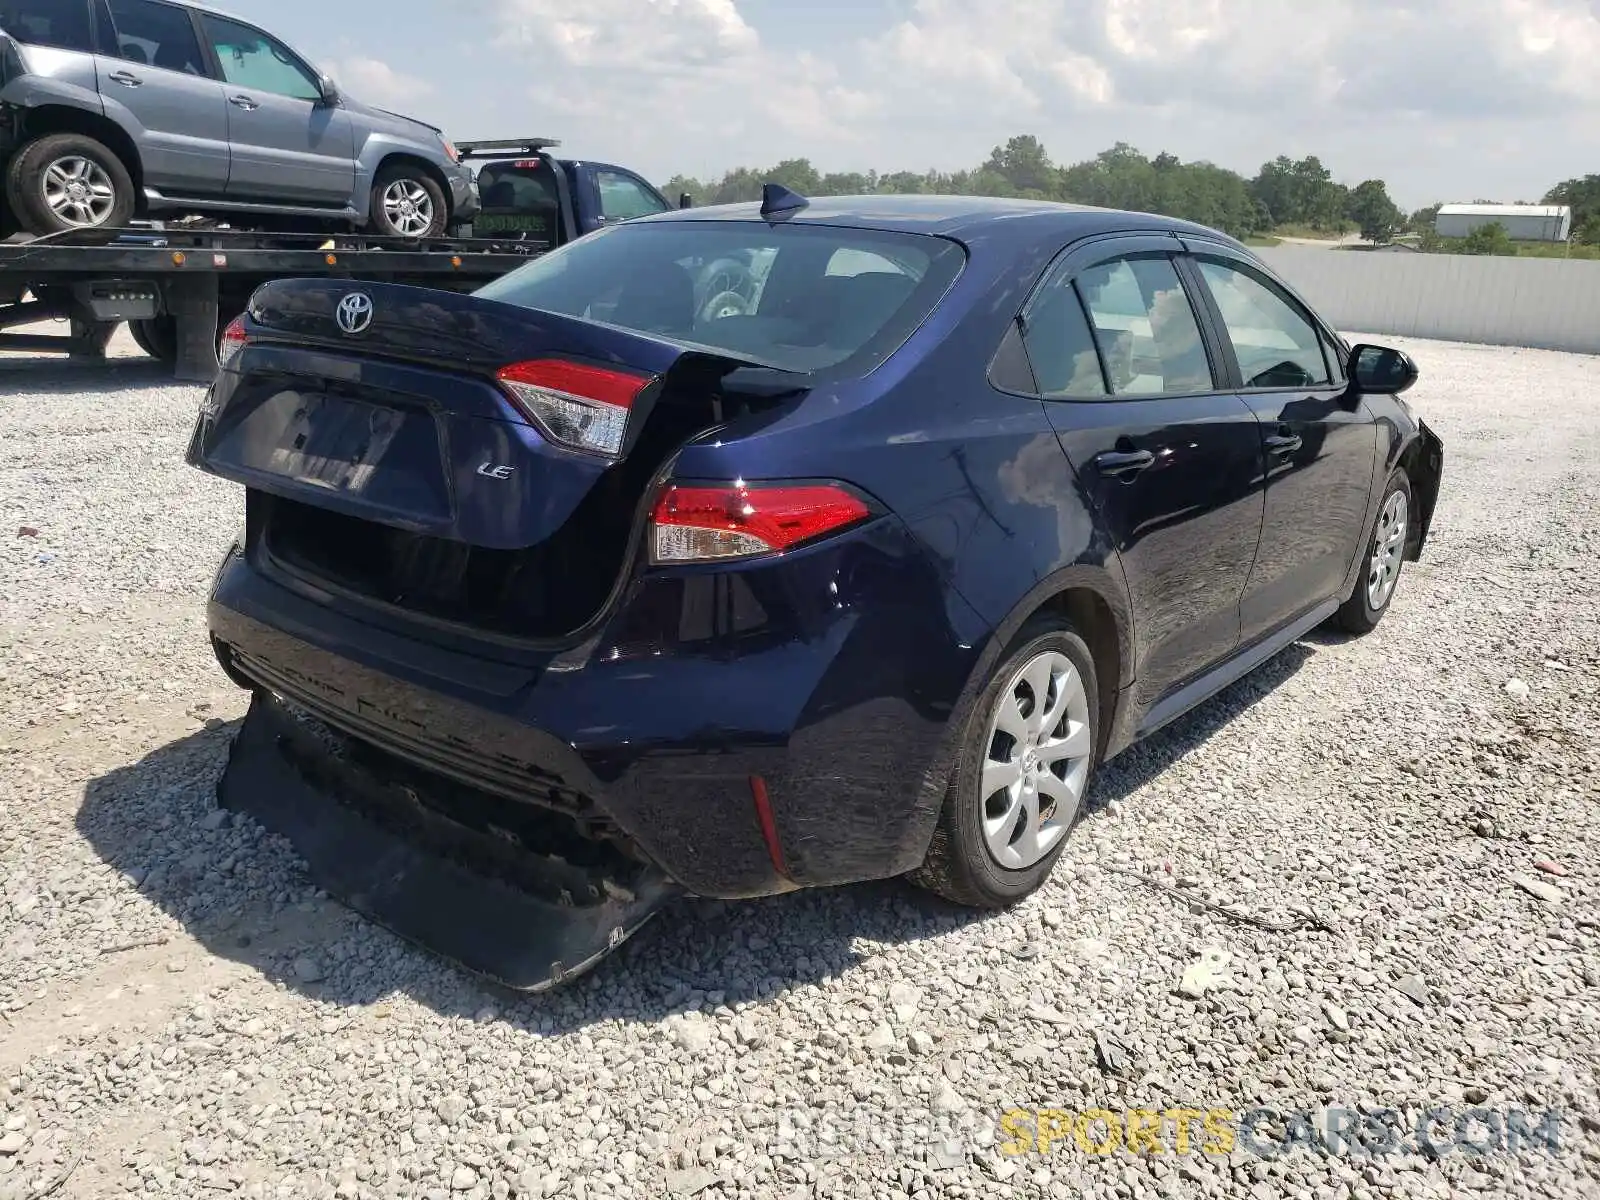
[329,89]
[685,200]
[1380,370]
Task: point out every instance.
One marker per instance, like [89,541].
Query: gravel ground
[182,1015]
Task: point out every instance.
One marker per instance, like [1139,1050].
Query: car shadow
[1143,761]
[28,376]
[244,896]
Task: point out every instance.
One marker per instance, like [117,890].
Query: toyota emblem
[354,313]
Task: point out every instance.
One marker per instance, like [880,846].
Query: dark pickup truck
[177,285]
[530,194]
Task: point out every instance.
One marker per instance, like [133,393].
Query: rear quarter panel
[977,476]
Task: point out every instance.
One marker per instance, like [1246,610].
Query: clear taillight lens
[740,520]
[577,405]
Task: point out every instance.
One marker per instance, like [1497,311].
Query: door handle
[1123,463]
[1283,443]
[243,102]
[125,78]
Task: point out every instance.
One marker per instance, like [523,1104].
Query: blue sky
[1445,99]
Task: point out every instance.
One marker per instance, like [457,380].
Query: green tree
[1583,195]
[699,192]
[1377,216]
[1422,220]
[1486,239]
[1274,187]
[1024,165]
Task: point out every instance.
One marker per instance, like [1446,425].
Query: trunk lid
[390,464]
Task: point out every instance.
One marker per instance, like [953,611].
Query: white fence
[1550,303]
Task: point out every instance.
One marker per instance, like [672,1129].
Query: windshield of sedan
[795,297]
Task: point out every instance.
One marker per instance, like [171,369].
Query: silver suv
[115,108]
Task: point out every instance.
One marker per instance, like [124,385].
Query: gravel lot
[182,1015]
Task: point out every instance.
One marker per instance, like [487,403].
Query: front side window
[250,59]
[61,24]
[623,198]
[157,35]
[1146,328]
[1275,344]
[768,295]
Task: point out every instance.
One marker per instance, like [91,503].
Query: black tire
[378,217]
[25,183]
[959,865]
[1358,614]
[157,337]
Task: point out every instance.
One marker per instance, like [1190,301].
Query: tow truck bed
[203,277]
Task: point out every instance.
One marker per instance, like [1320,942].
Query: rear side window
[63,24]
[250,59]
[785,296]
[1060,346]
[1146,328]
[1276,345]
[157,35]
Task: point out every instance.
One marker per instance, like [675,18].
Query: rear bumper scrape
[526,921]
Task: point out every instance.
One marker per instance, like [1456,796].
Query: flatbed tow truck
[178,285]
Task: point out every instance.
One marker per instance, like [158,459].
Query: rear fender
[1105,585]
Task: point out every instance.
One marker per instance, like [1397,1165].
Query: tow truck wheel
[407,203]
[65,181]
[158,336]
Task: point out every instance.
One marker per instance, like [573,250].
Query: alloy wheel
[408,207]
[1388,550]
[1036,761]
[79,191]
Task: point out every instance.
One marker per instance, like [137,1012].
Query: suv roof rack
[529,145]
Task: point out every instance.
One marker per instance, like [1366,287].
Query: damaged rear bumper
[387,841]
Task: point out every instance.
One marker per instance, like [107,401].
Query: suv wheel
[407,203]
[1024,768]
[67,181]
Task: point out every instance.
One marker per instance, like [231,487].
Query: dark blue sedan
[770,546]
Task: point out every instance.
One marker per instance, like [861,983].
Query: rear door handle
[125,78]
[1283,443]
[243,102]
[1123,463]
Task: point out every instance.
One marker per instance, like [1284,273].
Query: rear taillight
[233,340]
[580,406]
[738,520]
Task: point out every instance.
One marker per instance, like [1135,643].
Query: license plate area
[386,454]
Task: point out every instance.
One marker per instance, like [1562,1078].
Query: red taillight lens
[701,524]
[577,405]
[233,341]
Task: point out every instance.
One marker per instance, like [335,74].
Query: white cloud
[373,81]
[1375,87]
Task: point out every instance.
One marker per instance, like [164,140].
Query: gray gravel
[182,1015]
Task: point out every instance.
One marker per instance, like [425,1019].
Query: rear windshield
[63,24]
[795,297]
[517,199]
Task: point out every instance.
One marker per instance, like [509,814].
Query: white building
[1522,222]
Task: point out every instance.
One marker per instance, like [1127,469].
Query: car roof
[958,217]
